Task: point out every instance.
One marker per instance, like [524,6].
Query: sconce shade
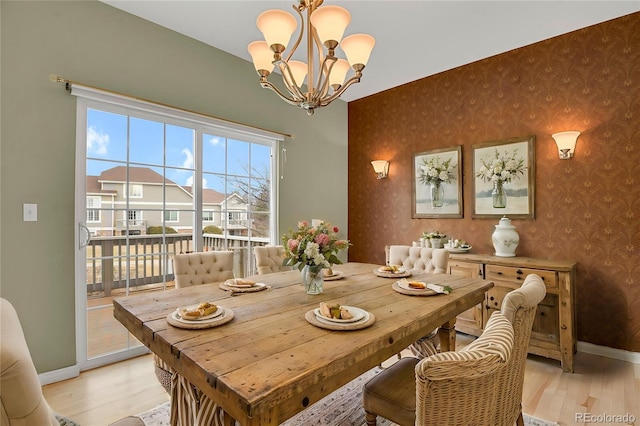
[566,142]
[381,167]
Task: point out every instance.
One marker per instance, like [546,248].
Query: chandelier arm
[291,88]
[322,87]
[340,91]
[268,85]
[300,33]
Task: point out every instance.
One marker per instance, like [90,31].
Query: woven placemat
[337,275]
[413,292]
[382,274]
[198,325]
[310,316]
[254,288]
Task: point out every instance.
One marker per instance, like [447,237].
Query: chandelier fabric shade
[326,74]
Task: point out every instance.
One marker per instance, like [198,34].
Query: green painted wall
[93,43]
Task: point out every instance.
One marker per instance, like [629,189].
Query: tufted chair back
[21,399]
[424,259]
[269,259]
[202,268]
[518,306]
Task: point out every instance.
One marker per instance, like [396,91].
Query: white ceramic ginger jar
[505,238]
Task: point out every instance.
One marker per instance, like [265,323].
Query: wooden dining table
[269,363]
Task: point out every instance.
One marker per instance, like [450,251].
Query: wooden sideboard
[554,329]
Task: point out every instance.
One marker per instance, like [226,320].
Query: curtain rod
[57,79]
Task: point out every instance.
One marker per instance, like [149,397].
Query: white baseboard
[620,354]
[59,375]
[74,370]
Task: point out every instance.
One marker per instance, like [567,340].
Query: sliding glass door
[149,186]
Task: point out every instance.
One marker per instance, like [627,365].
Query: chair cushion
[528,295]
[22,402]
[269,259]
[419,258]
[202,268]
[393,392]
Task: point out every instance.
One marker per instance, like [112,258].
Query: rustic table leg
[447,335]
[228,420]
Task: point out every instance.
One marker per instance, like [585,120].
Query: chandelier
[324,28]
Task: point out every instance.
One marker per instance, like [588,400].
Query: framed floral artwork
[437,183]
[504,178]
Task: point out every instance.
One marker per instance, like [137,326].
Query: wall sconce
[381,168]
[566,142]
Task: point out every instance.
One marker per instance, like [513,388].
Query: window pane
[106,135]
[146,141]
[180,146]
[214,153]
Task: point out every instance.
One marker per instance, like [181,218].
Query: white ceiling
[414,39]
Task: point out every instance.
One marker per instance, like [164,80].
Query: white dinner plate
[215,313]
[232,283]
[357,313]
[405,284]
[334,322]
[459,249]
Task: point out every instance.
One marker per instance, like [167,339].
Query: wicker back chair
[449,388]
[519,307]
[269,259]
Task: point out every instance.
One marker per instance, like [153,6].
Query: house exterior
[154,201]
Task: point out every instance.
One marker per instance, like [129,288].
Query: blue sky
[107,135]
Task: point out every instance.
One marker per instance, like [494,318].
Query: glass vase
[498,195]
[312,281]
[437,194]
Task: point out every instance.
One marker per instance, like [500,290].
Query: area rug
[340,408]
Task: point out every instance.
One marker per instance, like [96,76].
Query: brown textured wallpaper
[587,209]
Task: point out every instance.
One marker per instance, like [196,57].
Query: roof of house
[145,175]
[136,174]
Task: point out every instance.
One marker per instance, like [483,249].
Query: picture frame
[515,195]
[449,202]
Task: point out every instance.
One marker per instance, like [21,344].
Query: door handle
[84,236]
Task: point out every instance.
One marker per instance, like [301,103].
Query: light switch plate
[30,212]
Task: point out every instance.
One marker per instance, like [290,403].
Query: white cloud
[97,142]
[216,140]
[188,160]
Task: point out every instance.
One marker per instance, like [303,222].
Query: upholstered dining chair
[420,259]
[195,269]
[202,268]
[21,398]
[423,259]
[269,259]
[518,306]
[448,388]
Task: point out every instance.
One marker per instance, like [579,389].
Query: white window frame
[171,214]
[136,190]
[89,97]
[94,203]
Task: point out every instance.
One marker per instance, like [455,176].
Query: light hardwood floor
[599,386]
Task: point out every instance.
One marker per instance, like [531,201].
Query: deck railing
[147,259]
